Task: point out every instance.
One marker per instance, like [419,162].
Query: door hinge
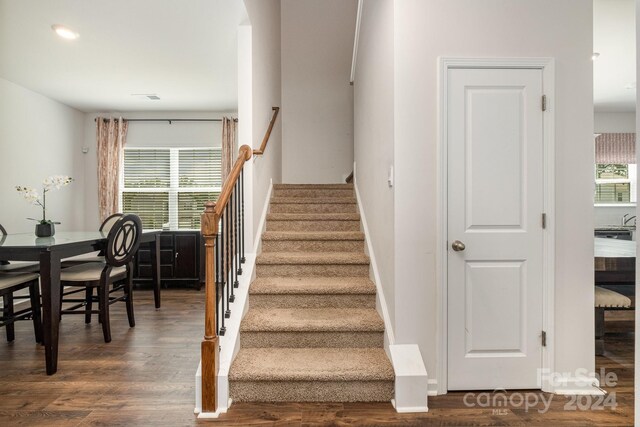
[544,102]
[544,220]
[544,339]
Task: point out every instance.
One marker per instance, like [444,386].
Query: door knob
[458,246]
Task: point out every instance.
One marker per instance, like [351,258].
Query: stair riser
[312,301]
[313,225]
[311,339]
[311,391]
[323,270]
[313,192]
[313,207]
[312,245]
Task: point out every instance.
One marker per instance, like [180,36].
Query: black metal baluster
[236,251]
[217,279]
[223,257]
[232,269]
[242,259]
[229,285]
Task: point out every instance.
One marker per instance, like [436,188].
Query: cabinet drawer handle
[176,255]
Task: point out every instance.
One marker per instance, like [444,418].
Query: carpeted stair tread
[313,200]
[312,258]
[313,235]
[312,186]
[311,364]
[329,216]
[312,286]
[312,320]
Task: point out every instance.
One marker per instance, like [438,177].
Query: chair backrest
[3,233]
[123,240]
[108,223]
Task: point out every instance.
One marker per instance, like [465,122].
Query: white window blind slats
[147,168]
[168,187]
[192,172]
[152,208]
[191,206]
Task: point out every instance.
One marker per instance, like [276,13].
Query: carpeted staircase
[312,332]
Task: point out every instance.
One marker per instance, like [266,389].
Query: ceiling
[185,52]
[614,37]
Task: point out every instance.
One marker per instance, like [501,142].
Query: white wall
[614,122]
[612,215]
[39,137]
[317,99]
[373,136]
[264,16]
[146,134]
[423,32]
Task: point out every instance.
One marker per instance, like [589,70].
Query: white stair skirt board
[411,382]
[381,303]
[230,342]
[198,408]
[411,386]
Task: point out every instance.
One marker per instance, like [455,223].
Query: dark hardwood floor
[145,377]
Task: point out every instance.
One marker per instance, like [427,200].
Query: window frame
[174,182]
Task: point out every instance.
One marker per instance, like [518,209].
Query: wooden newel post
[210,348]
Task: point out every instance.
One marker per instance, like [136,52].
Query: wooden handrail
[209,220]
[349,179]
[244,154]
[267,135]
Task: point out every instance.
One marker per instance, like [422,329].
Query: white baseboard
[575,385]
[432,387]
[409,410]
[230,342]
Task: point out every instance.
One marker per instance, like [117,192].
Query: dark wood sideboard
[180,260]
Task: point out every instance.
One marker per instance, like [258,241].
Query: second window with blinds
[168,187]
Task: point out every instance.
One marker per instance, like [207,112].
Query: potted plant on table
[44,227]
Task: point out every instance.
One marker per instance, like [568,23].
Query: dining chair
[105,227]
[123,241]
[10,283]
[17,266]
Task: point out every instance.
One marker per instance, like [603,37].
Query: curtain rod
[168,120]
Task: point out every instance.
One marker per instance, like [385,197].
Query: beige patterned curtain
[111,136]
[616,148]
[228,145]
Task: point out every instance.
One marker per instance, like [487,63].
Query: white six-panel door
[495,202]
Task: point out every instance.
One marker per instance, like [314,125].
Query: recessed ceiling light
[65,32]
[595,56]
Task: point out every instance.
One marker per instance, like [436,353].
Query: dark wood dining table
[49,252]
[615,261]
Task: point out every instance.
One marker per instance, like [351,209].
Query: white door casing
[495,199]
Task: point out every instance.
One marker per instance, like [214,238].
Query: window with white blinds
[168,187]
[615,183]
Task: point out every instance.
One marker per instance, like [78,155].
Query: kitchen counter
[615,228]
